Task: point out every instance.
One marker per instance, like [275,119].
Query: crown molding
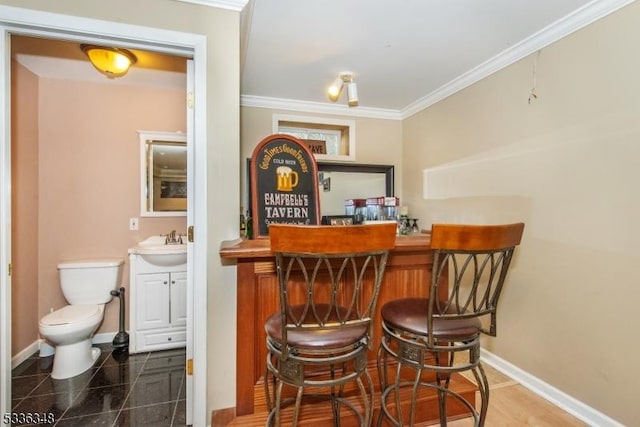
[317,107]
[576,20]
[236,5]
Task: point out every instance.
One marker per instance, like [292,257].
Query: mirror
[339,182]
[163,174]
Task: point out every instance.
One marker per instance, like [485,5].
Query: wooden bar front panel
[407,274]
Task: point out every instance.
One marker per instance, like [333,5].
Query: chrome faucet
[171,238]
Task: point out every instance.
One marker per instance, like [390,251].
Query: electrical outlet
[133,224]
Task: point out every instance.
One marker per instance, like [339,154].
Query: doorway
[81,30]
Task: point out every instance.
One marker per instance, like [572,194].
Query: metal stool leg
[483,388]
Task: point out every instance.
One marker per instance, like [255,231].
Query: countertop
[261,248]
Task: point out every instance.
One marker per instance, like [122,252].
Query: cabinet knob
[169,338]
[165,282]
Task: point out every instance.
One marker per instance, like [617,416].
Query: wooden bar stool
[422,336]
[329,279]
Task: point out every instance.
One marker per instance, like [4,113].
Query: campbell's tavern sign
[284,184]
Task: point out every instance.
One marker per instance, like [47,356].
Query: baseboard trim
[25,353]
[559,398]
[104,338]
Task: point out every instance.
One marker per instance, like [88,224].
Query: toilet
[87,286]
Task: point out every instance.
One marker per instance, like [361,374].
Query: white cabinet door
[152,301]
[178,315]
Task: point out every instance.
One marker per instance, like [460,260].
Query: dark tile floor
[145,389]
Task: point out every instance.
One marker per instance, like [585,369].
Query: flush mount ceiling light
[335,90]
[110,61]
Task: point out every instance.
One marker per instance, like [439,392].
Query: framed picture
[337,220]
[327,138]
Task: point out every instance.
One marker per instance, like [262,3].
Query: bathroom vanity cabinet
[158,306]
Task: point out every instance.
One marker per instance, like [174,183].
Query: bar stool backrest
[475,259]
[329,279]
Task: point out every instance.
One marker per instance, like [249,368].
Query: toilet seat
[72,315]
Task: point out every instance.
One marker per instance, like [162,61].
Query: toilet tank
[90,281]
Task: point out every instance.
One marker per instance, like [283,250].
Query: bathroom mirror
[163,174]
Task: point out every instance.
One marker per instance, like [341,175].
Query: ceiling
[59,59]
[405,54]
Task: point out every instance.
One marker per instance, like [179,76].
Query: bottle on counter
[243,224]
[403,225]
[249,226]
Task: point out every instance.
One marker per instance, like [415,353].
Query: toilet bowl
[86,285]
[70,330]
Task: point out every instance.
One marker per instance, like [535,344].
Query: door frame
[57,26]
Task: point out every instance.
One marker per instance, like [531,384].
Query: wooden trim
[245,357]
[222,417]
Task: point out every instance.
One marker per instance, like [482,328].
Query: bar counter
[407,274]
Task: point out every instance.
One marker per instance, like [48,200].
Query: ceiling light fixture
[335,90]
[110,61]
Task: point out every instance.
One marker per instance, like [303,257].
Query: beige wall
[568,165]
[378,141]
[24,209]
[221,29]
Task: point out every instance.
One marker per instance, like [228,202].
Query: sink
[156,252]
[165,255]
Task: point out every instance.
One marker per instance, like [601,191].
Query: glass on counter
[356,208]
[407,225]
[382,208]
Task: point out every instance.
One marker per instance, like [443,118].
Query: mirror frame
[145,137]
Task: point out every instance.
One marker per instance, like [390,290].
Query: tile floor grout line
[130,389]
[175,408]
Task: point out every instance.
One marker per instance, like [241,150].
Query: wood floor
[510,404]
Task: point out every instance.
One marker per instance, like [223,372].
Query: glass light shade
[335,90]
[112,62]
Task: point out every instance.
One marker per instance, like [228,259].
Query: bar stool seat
[316,338]
[410,315]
